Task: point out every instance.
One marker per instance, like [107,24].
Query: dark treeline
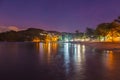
[25,35]
[106,31]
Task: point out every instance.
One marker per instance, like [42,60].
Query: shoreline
[103,45]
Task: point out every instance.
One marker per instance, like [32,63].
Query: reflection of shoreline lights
[41,47]
[66,56]
[79,58]
[47,51]
[66,48]
[54,47]
[37,46]
[41,51]
[49,48]
[75,49]
[109,60]
[83,49]
[79,51]
[83,52]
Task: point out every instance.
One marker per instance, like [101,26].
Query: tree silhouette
[118,19]
[102,30]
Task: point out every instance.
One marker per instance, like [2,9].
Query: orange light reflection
[109,60]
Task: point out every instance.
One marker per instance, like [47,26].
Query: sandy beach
[104,45]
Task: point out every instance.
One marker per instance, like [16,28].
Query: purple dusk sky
[60,15]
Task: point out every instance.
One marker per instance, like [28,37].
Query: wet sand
[103,45]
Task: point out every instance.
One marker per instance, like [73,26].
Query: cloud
[14,28]
[4,28]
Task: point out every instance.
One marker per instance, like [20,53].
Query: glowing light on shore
[36,39]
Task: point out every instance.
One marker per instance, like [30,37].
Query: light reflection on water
[58,61]
[66,57]
[108,60]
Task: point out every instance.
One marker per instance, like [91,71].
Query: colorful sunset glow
[60,15]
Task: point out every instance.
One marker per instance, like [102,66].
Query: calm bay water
[57,61]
